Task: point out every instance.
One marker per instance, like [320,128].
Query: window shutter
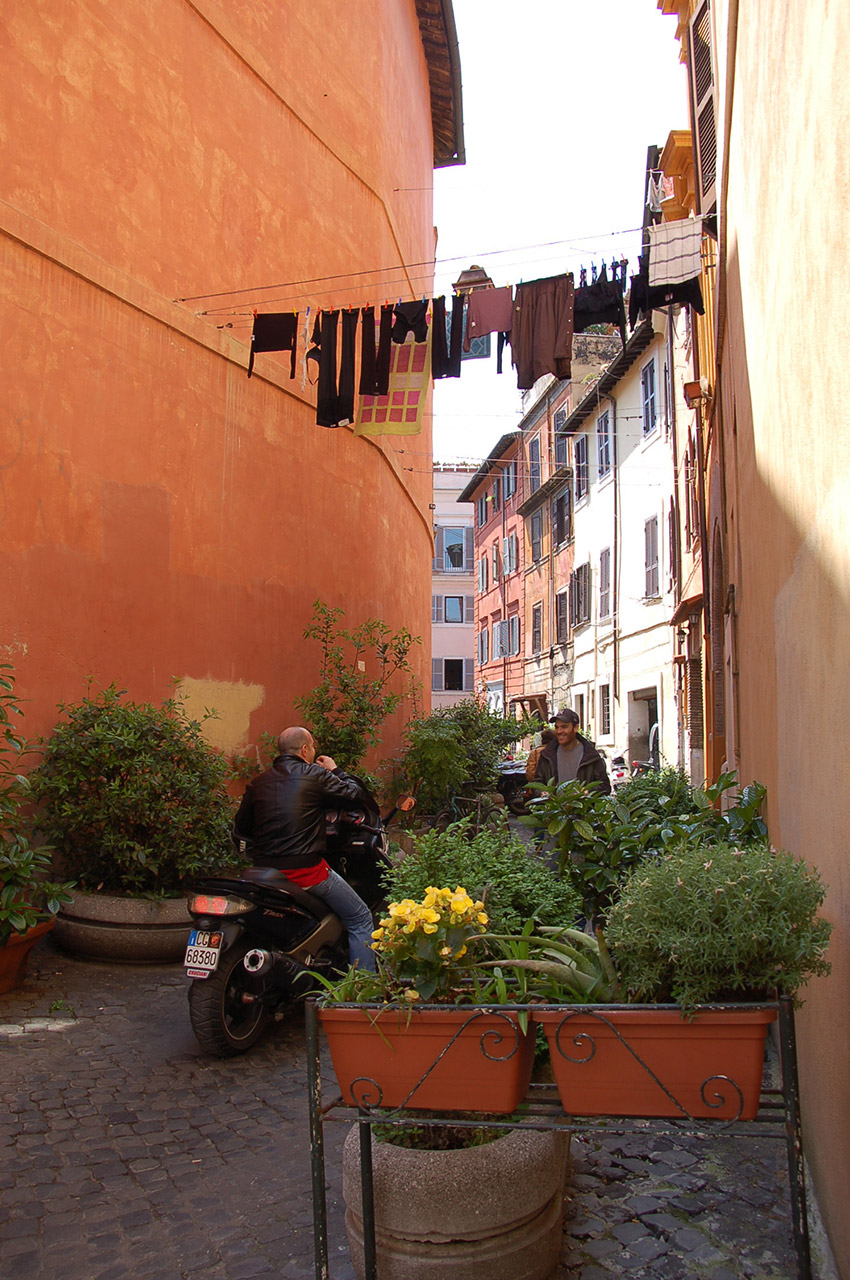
[468,550]
[439,550]
[437,675]
[469,608]
[702,87]
[436,608]
[513,625]
[650,530]
[468,675]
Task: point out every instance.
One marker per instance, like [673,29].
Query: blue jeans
[353,913]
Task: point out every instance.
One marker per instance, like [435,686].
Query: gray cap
[566,713]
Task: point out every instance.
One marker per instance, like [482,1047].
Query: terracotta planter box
[102,926]
[452,1059]
[15,954]
[647,1062]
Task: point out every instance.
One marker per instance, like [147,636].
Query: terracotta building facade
[168,168]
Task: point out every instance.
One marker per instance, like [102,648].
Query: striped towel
[674,251]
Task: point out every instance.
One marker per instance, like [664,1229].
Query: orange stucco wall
[162,516]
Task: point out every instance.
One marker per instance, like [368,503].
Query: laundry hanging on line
[675,251]
[274,332]
[644,298]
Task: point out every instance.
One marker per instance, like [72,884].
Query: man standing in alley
[571,756]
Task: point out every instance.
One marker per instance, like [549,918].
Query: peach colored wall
[162,515]
[786,441]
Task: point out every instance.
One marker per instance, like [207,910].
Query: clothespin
[582,280]
[593,273]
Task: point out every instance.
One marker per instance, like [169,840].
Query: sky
[561,99]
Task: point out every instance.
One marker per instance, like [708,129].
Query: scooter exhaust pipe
[257,961]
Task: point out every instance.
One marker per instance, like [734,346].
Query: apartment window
[453,550]
[605,583]
[481,510]
[580,596]
[483,646]
[501,639]
[452,675]
[534,465]
[482,574]
[454,609]
[562,518]
[578,708]
[513,635]
[509,480]
[510,556]
[647,387]
[580,460]
[605,710]
[496,564]
[497,494]
[559,422]
[650,531]
[562,617]
[536,536]
[603,444]
[537,628]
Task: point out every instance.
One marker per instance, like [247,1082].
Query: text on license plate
[202,953]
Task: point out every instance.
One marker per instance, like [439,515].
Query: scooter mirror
[405,803]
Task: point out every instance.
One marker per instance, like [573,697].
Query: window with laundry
[534,465]
[603,444]
[580,464]
[647,388]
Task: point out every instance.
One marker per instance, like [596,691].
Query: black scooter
[511,785]
[259,939]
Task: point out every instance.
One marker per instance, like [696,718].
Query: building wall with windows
[493,498]
[452,590]
[619,597]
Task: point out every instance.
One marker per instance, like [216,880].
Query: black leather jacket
[282,812]
[591,770]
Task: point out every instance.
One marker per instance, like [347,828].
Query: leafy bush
[132,796]
[346,709]
[456,749]
[27,895]
[708,923]
[600,839]
[495,866]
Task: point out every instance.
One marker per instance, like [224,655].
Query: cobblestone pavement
[126,1153]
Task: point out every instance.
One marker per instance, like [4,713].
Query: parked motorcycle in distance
[619,772]
[258,939]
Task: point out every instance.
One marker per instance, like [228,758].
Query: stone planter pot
[15,954]
[653,1062]
[493,1211]
[99,926]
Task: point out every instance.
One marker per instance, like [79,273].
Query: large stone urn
[493,1211]
[100,926]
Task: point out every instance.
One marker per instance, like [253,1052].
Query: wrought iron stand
[779,1116]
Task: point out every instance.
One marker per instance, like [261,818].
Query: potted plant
[701,925]
[134,801]
[420,1032]
[29,899]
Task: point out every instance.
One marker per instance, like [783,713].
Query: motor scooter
[258,939]
[511,785]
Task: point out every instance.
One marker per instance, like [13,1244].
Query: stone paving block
[629,1232]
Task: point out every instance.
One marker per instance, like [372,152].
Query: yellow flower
[460,953]
[377,933]
[445,951]
[483,918]
[429,928]
[430,915]
[411,994]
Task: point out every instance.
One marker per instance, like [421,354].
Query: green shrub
[495,866]
[663,790]
[709,923]
[132,796]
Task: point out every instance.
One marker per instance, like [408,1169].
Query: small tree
[347,708]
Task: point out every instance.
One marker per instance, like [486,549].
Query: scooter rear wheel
[515,798]
[224,1022]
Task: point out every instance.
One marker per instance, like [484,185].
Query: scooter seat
[273,878]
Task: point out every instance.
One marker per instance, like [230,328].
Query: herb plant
[132,796]
[709,923]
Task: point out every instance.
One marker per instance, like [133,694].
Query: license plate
[202,953]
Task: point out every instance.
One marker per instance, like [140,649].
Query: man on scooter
[282,814]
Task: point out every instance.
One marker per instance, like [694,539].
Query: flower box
[651,1062]
[452,1058]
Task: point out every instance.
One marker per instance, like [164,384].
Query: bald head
[293,740]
